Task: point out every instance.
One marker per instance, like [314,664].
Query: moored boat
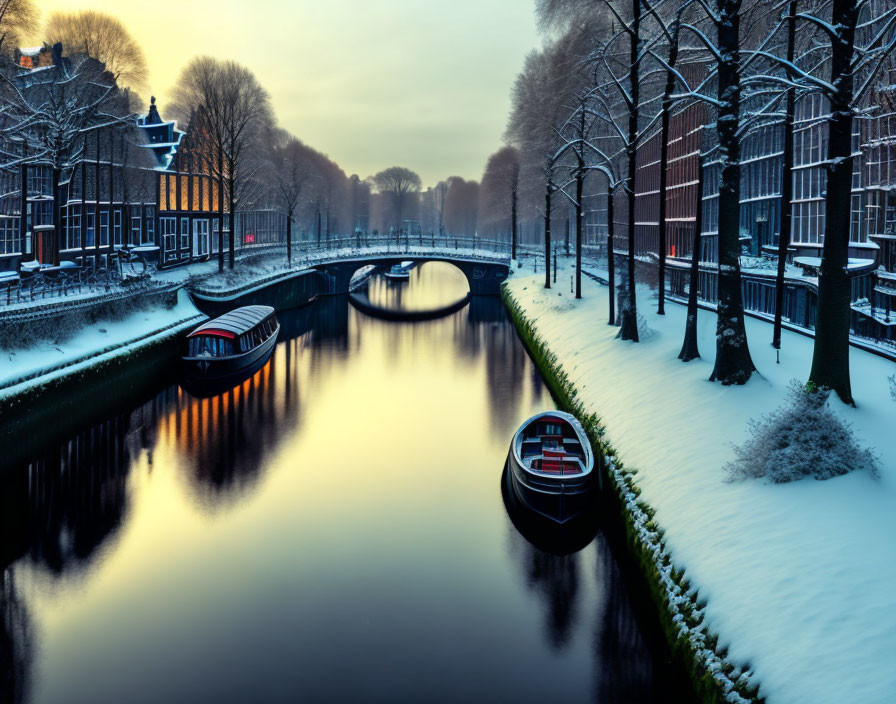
[550,465]
[400,271]
[232,346]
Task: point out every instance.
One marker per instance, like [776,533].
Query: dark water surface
[333,529]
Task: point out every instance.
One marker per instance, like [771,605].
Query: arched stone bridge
[485,263]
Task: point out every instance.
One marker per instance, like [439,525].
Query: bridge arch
[484,277]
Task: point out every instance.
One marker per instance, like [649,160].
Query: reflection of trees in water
[553,574]
[60,508]
[485,329]
[16,643]
[330,315]
[387,293]
[56,512]
[626,672]
[556,579]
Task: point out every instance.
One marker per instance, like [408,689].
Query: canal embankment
[64,362]
[764,591]
[61,380]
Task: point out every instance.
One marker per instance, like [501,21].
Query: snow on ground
[20,366]
[800,577]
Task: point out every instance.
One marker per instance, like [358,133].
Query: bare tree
[46,119]
[18,20]
[101,37]
[461,206]
[499,194]
[689,347]
[439,195]
[230,113]
[629,16]
[539,110]
[400,185]
[857,37]
[293,167]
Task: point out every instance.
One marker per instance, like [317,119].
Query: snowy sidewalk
[22,368]
[800,578]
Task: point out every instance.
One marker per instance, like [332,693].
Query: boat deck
[553,454]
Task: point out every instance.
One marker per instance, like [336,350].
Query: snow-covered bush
[803,438]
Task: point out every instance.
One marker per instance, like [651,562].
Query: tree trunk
[231,230]
[664,165]
[289,237]
[733,363]
[830,359]
[513,224]
[580,187]
[111,215]
[629,327]
[786,184]
[611,263]
[547,234]
[84,204]
[220,211]
[689,348]
[23,205]
[57,215]
[96,202]
[319,226]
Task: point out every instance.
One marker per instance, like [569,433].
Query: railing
[39,287]
[356,245]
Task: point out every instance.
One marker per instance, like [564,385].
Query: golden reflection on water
[343,498]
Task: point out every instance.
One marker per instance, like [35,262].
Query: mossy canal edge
[680,608]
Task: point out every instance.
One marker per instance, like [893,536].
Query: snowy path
[800,578]
[20,368]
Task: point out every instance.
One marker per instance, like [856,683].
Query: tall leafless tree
[233,115]
[18,20]
[399,184]
[292,173]
[101,37]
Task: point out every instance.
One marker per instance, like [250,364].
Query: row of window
[258,334]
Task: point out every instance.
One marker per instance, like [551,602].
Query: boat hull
[559,501]
[214,372]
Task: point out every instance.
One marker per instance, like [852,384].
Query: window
[168,231]
[10,242]
[91,229]
[73,227]
[149,237]
[136,230]
[104,228]
[117,227]
[185,237]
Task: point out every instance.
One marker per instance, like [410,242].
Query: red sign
[250,238]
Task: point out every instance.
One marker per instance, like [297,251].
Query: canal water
[333,529]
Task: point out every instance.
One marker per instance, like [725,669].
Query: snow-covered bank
[22,369]
[798,578]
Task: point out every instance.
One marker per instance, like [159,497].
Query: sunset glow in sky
[373,83]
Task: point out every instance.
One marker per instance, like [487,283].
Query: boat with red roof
[232,346]
[550,466]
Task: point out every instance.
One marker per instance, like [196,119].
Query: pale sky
[372,83]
